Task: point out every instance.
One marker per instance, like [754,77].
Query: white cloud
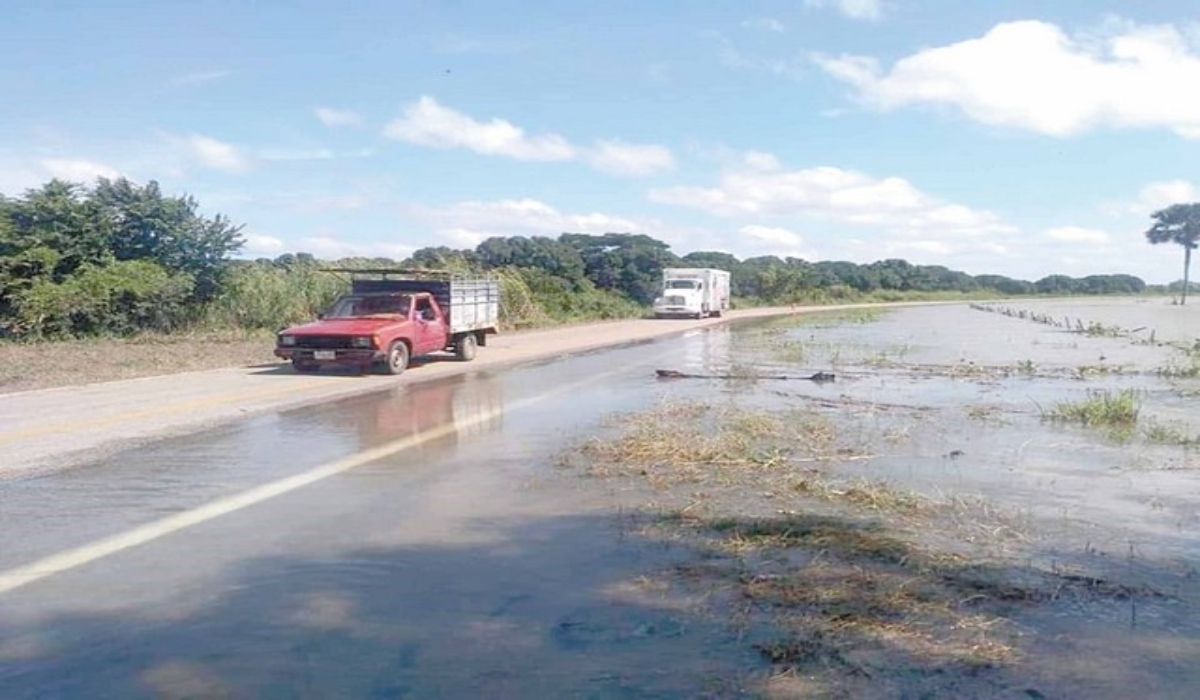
[620,158]
[258,245]
[854,9]
[732,57]
[77,170]
[834,194]
[462,238]
[296,154]
[1032,75]
[330,116]
[469,222]
[331,247]
[935,248]
[765,24]
[775,240]
[1077,234]
[517,217]
[761,161]
[1160,195]
[1153,197]
[201,77]
[218,155]
[427,123]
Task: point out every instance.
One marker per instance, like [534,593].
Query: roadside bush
[262,295]
[111,298]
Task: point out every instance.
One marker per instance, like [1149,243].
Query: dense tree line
[118,258]
[110,258]
[631,265]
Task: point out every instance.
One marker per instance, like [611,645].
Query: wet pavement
[447,569]
[456,560]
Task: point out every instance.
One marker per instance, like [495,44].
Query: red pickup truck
[385,320]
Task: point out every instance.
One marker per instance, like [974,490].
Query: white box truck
[692,292]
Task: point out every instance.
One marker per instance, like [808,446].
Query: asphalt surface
[414,541]
[252,532]
[52,428]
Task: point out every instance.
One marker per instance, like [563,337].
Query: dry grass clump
[848,597]
[25,366]
[843,599]
[685,442]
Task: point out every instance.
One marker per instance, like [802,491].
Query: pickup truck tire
[465,348]
[397,358]
[305,367]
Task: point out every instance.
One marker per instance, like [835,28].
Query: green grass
[1101,409]
[1169,434]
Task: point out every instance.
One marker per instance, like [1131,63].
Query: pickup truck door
[430,333]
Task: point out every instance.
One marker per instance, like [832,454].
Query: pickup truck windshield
[682,284]
[369,305]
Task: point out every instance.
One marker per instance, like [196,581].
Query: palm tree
[1178,223]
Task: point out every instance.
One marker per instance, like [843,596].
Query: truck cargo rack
[471,301]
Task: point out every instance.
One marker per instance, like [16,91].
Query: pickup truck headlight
[360,342]
[287,340]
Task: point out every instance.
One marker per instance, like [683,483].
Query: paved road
[412,542]
[46,429]
[255,533]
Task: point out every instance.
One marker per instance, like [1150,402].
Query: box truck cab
[692,292]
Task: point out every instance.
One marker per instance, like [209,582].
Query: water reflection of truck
[692,292]
[458,406]
[390,316]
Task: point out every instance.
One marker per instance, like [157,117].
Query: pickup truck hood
[363,325]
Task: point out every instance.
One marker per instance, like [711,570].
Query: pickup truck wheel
[305,367]
[397,358]
[465,348]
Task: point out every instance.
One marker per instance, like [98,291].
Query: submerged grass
[832,587]
[1117,411]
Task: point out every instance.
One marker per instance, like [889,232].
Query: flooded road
[426,541]
[448,567]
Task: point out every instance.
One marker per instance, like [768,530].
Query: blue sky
[1020,138]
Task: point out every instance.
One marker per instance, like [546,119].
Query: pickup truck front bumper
[356,357]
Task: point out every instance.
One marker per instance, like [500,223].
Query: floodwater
[463,562]
[951,400]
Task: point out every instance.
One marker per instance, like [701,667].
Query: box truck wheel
[464,349]
[397,358]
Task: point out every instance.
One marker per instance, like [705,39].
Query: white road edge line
[20,576]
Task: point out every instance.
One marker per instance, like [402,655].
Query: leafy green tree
[140,223]
[1055,284]
[537,253]
[1004,285]
[625,262]
[1179,224]
[443,258]
[712,259]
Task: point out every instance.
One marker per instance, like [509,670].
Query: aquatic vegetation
[1169,434]
[1117,411]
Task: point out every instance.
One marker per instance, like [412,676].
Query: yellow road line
[161,411]
[73,558]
